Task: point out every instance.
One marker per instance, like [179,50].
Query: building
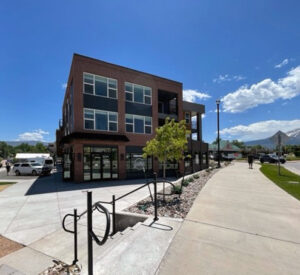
[108,114]
[228,151]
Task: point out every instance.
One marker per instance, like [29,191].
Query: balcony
[167,106]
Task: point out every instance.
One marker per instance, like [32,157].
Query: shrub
[177,189]
[196,176]
[191,179]
[185,183]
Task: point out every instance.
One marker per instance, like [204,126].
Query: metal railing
[98,206]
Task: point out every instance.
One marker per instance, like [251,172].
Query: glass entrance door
[106,166]
[100,163]
[101,166]
[96,166]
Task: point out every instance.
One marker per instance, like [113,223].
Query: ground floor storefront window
[68,164]
[100,163]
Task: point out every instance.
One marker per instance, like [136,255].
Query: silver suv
[28,168]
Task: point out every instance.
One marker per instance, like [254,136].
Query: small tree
[169,143]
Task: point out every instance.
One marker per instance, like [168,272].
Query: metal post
[218,122]
[75,237]
[114,214]
[155,197]
[89,232]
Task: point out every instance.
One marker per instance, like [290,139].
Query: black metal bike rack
[98,206]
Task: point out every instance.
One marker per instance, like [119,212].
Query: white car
[28,168]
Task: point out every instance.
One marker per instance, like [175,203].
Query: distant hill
[289,138]
[29,142]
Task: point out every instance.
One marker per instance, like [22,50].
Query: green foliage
[239,144]
[191,179]
[8,151]
[287,180]
[196,176]
[216,141]
[169,143]
[185,183]
[177,189]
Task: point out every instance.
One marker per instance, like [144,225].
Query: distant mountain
[29,142]
[289,138]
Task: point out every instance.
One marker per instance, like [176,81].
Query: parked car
[271,158]
[30,169]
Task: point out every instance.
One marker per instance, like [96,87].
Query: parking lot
[12,176]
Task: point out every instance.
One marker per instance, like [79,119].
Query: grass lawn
[5,184]
[287,180]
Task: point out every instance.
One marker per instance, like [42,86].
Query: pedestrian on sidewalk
[7,168]
[250,161]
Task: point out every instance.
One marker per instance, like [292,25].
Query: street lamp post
[218,122]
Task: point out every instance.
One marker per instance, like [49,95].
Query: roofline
[126,68]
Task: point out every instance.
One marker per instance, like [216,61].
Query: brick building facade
[108,114]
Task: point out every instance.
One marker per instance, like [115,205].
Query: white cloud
[264,92]
[283,63]
[36,135]
[64,86]
[260,130]
[227,77]
[192,95]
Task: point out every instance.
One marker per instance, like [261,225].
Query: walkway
[241,223]
[34,208]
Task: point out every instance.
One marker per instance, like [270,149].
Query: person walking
[7,168]
[250,161]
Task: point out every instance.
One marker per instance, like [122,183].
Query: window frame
[94,119]
[132,93]
[189,117]
[133,125]
[94,85]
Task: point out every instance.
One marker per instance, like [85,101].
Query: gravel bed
[175,205]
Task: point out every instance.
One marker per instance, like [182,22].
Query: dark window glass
[138,125]
[112,117]
[129,128]
[25,165]
[101,121]
[89,124]
[112,126]
[112,83]
[129,97]
[147,100]
[89,114]
[100,86]
[88,78]
[16,165]
[112,93]
[128,87]
[129,119]
[138,94]
[148,130]
[147,91]
[88,89]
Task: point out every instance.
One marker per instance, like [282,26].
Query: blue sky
[245,52]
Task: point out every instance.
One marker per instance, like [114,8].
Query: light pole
[218,122]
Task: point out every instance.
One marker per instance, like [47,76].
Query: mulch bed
[175,205]
[7,246]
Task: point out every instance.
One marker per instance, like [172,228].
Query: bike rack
[100,208]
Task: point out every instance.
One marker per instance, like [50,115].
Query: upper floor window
[100,120]
[138,124]
[188,118]
[138,93]
[99,85]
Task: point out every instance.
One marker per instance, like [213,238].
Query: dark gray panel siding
[138,109]
[100,103]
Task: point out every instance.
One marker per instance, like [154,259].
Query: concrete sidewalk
[241,223]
